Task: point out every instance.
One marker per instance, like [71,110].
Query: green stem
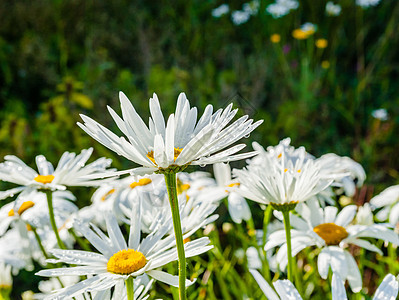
[129,288]
[265,263]
[39,241]
[52,219]
[170,180]
[5,293]
[287,227]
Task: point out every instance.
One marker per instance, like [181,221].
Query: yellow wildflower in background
[299,34]
[304,32]
[275,38]
[321,43]
[325,64]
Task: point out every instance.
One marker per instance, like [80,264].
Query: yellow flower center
[325,64]
[301,34]
[126,262]
[181,187]
[141,182]
[321,43]
[331,233]
[275,38]
[232,185]
[150,154]
[103,198]
[44,178]
[24,206]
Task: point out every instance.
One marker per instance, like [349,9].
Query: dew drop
[202,165]
[246,136]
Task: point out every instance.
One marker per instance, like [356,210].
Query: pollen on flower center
[141,182]
[331,233]
[150,154]
[125,262]
[44,178]
[232,185]
[110,192]
[181,187]
[24,206]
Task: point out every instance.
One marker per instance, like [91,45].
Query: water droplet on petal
[202,165]
[246,136]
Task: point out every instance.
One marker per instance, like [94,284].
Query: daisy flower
[5,281]
[15,250]
[387,290]
[291,177]
[182,141]
[141,286]
[29,209]
[109,196]
[155,206]
[367,3]
[388,200]
[331,232]
[220,10]
[70,171]
[332,163]
[119,261]
[237,205]
[333,9]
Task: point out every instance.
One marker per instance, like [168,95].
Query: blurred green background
[62,58]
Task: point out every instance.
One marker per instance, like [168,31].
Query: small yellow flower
[325,64]
[275,38]
[321,43]
[300,34]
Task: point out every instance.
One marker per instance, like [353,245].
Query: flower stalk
[129,288]
[287,227]
[49,195]
[171,185]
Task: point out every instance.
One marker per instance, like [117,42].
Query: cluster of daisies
[142,219]
[279,9]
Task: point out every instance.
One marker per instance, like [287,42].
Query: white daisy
[367,3]
[388,200]
[15,250]
[239,17]
[156,212]
[179,143]
[237,205]
[141,286]
[70,171]
[220,10]
[284,288]
[333,9]
[387,290]
[331,232]
[29,209]
[5,280]
[282,7]
[117,261]
[291,176]
[332,163]
[380,114]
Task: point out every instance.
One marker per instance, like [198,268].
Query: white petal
[167,278]
[264,286]
[388,289]
[338,288]
[345,217]
[286,290]
[354,277]
[238,208]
